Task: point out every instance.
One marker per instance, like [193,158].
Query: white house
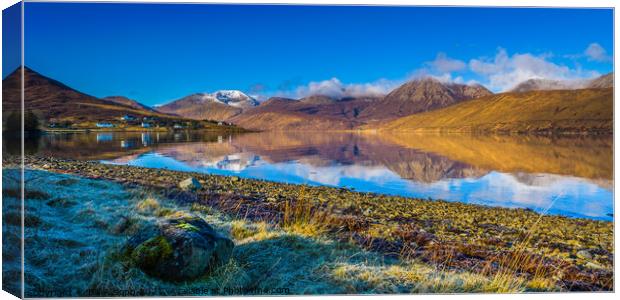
[128,118]
[104,125]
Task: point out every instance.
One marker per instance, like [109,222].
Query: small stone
[189,184]
[584,254]
[594,266]
[234,179]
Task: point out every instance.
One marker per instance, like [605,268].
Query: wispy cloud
[505,71]
[335,88]
[444,64]
[596,52]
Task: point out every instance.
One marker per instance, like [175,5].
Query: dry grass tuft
[304,217]
[148,205]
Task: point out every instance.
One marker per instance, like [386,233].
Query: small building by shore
[128,118]
[105,125]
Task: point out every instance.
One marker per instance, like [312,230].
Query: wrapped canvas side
[12,137]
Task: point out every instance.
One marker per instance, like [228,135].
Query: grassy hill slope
[559,111]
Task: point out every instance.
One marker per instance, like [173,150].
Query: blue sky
[11,39]
[158,53]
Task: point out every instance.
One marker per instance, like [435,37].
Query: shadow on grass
[282,264]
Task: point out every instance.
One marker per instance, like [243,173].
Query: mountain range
[429,104]
[536,105]
[321,112]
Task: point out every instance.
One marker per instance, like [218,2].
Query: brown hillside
[605,81]
[419,96]
[312,113]
[194,107]
[127,102]
[567,111]
[52,99]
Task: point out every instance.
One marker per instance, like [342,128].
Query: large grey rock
[189,184]
[179,248]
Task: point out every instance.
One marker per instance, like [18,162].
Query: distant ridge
[605,81]
[310,113]
[546,84]
[127,102]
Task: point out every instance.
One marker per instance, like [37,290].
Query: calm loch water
[567,176]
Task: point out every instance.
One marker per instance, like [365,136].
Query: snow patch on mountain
[230,97]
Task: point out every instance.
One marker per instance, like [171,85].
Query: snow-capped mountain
[231,97]
[218,106]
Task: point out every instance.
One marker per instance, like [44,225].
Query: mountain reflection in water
[568,176]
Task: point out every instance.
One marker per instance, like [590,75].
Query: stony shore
[576,254]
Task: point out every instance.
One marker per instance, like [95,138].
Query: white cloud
[499,73]
[445,64]
[504,71]
[336,89]
[440,68]
[332,87]
[596,52]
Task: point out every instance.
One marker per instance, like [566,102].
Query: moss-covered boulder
[178,248]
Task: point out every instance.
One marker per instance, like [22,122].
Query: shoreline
[113,177]
[357,131]
[86,130]
[456,235]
